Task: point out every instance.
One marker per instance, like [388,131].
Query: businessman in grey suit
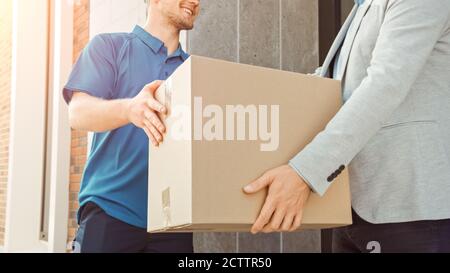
[393,133]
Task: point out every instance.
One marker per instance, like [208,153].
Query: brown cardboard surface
[196,185]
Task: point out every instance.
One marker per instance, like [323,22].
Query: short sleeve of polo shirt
[95,71]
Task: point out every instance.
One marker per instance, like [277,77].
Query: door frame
[35,78]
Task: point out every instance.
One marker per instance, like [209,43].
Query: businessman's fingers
[155,121]
[297,222]
[258,184]
[264,217]
[287,222]
[276,220]
[150,136]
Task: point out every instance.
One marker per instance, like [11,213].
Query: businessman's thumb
[257,185]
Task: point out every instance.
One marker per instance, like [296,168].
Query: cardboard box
[196,176]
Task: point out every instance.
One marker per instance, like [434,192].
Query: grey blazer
[393,131]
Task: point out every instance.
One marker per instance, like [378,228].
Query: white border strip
[26,153]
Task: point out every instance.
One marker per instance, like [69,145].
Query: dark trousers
[101,233]
[409,237]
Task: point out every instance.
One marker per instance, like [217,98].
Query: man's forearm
[88,113]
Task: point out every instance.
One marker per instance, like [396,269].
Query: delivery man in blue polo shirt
[111,92]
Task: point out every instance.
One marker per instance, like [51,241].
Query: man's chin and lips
[184,16]
[287,193]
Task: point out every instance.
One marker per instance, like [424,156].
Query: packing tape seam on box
[166,208]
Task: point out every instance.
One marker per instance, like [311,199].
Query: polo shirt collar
[155,44]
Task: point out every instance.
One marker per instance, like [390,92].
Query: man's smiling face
[180,13]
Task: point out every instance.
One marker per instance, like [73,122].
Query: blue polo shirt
[117,66]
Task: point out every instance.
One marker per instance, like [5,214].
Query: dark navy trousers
[100,233]
[410,237]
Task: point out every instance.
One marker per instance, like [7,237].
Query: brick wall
[5,86]
[79,138]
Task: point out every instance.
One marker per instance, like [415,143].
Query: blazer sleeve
[407,37]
